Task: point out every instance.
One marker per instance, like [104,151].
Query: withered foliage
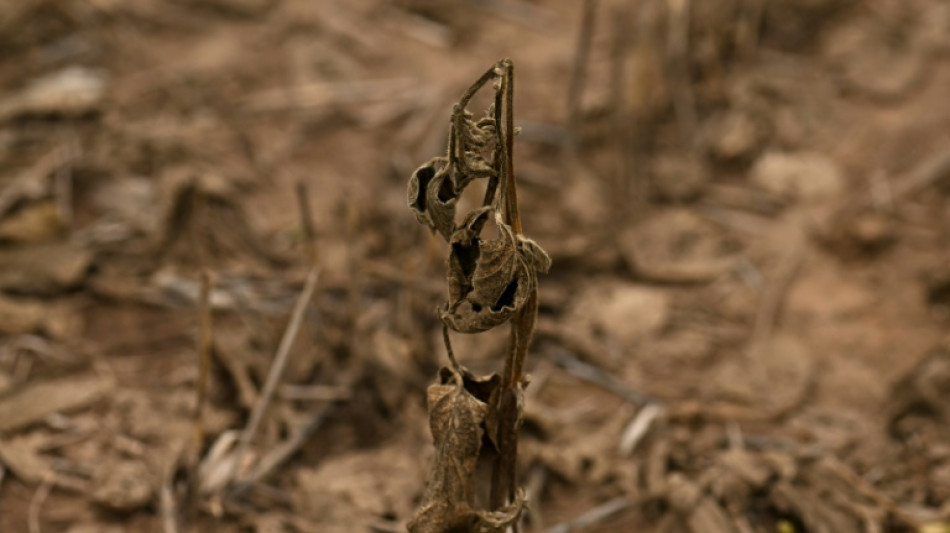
[491,281]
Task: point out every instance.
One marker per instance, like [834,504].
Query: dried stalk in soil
[491,281]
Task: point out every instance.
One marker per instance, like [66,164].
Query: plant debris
[491,282]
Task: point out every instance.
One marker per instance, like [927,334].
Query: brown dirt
[744,329]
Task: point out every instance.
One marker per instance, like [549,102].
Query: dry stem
[277,368]
[204,359]
[521,328]
[491,281]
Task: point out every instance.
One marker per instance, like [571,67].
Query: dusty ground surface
[747,205]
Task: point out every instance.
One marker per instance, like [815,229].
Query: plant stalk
[508,403]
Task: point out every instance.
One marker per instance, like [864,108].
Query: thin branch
[283,451]
[448,347]
[639,427]
[512,216]
[579,68]
[932,170]
[306,222]
[277,368]
[595,516]
[508,403]
[168,508]
[36,505]
[597,376]
[774,295]
[205,342]
[684,102]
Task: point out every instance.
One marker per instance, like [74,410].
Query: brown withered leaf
[417,194]
[124,485]
[466,249]
[456,419]
[441,197]
[493,281]
[476,141]
[477,134]
[474,166]
[534,256]
[489,280]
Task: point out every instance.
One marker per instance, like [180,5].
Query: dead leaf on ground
[203,223]
[359,486]
[123,485]
[624,313]
[71,92]
[21,455]
[924,392]
[19,316]
[798,175]
[36,222]
[677,246]
[775,377]
[34,401]
[882,57]
[43,268]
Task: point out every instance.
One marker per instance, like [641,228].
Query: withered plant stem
[475,87]
[579,68]
[458,116]
[306,222]
[499,147]
[491,281]
[205,341]
[448,346]
[508,407]
[512,216]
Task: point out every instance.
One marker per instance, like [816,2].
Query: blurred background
[747,203]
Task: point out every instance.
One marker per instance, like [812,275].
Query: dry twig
[205,342]
[168,508]
[306,222]
[36,505]
[774,295]
[277,367]
[595,516]
[579,69]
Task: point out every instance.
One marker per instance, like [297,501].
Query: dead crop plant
[491,281]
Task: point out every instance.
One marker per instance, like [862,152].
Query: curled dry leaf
[457,421]
[432,196]
[476,141]
[534,256]
[489,280]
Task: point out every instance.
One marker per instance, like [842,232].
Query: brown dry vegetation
[747,204]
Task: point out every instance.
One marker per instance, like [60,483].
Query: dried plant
[490,282]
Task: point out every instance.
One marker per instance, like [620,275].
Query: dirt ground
[747,204]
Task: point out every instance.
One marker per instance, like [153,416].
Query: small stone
[38,222]
[43,268]
[677,246]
